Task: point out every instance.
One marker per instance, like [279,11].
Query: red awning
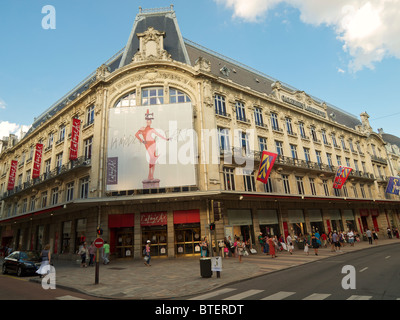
[187,216]
[121,220]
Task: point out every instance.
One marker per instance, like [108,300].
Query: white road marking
[317,296]
[362,270]
[355,297]
[387,257]
[212,294]
[279,296]
[243,295]
[68,297]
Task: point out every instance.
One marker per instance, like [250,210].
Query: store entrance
[317,226]
[187,238]
[158,237]
[124,243]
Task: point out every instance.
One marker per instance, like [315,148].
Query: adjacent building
[165,131]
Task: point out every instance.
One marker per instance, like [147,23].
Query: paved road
[14,288]
[377,277]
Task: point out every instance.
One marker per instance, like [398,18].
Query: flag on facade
[11,177]
[37,162]
[266,164]
[393,186]
[73,150]
[342,174]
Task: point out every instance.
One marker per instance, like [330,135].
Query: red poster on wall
[328,224]
[38,161]
[11,177]
[285,229]
[73,151]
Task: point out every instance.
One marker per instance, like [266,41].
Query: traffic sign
[98,243]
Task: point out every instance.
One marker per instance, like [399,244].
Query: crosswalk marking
[355,297]
[317,296]
[243,295]
[279,296]
[68,297]
[212,294]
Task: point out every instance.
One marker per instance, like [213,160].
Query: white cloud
[7,128]
[2,104]
[368,29]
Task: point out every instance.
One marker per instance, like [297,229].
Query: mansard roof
[186,51]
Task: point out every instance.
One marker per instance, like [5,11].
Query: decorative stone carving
[151,46]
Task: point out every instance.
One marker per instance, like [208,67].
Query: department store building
[147,143]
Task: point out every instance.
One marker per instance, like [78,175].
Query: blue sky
[346,53]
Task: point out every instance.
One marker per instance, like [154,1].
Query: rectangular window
[245,143]
[258,117]
[286,185]
[88,148]
[219,103]
[24,205]
[324,139]
[289,126]
[307,154]
[302,130]
[44,199]
[347,162]
[329,158]
[279,148]
[312,186]
[223,139]
[33,204]
[268,186]
[345,192]
[334,142]
[152,96]
[274,121]
[293,150]
[70,191]
[61,135]
[240,111]
[314,134]
[300,186]
[54,196]
[84,188]
[339,160]
[325,185]
[59,162]
[229,179]
[249,182]
[355,191]
[362,191]
[90,115]
[318,155]
[262,143]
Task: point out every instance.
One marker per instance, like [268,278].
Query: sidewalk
[180,277]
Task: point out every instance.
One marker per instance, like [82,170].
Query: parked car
[21,262]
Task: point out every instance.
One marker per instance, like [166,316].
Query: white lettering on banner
[49,280]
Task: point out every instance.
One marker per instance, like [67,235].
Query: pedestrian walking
[289,243]
[271,245]
[261,241]
[106,253]
[46,260]
[240,248]
[350,236]
[147,256]
[369,236]
[92,251]
[335,241]
[314,243]
[389,233]
[375,236]
[324,239]
[84,253]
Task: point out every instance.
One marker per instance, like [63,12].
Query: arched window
[177,96]
[128,100]
[152,96]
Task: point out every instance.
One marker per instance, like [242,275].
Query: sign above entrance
[153,219]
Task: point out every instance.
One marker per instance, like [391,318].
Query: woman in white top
[289,244]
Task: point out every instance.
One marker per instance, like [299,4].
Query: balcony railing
[378,159]
[58,171]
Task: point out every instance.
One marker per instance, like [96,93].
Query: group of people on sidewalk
[88,254]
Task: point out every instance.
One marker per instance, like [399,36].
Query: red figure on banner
[149,140]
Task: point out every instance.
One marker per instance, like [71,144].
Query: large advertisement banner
[342,174]
[151,147]
[393,185]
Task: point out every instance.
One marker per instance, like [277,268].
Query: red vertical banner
[11,177]
[38,161]
[73,151]
[285,229]
[328,224]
